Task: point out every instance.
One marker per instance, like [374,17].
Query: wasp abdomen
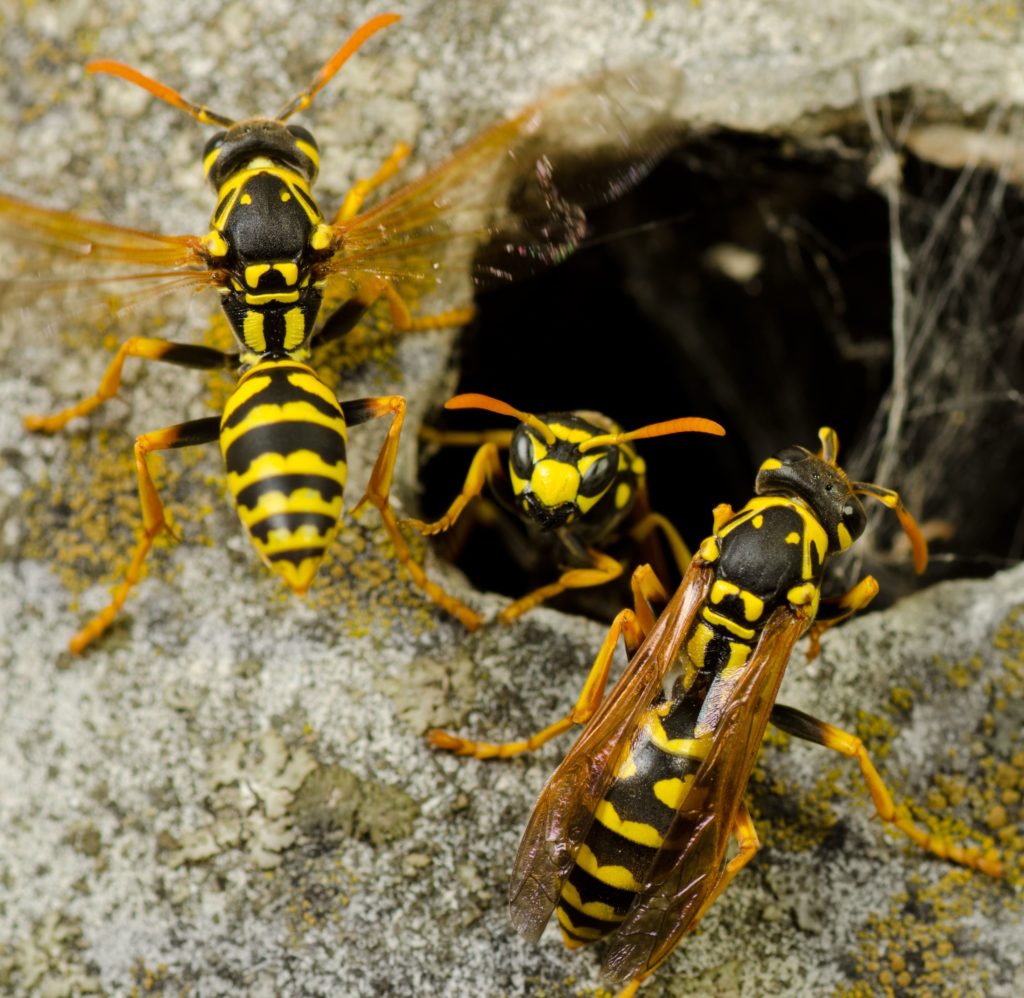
[283,440]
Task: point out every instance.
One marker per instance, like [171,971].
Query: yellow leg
[353,202]
[834,611]
[154,520]
[378,494]
[605,569]
[633,625]
[184,355]
[484,466]
[803,726]
[652,521]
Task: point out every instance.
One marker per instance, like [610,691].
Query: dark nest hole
[749,280]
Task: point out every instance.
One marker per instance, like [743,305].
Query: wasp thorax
[824,487]
[290,146]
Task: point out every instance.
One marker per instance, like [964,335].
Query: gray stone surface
[231,793]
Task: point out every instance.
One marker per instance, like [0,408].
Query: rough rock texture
[231,793]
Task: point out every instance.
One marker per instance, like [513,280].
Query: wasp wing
[520,188]
[75,253]
[564,812]
[688,866]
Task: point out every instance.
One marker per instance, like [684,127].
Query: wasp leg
[378,494]
[484,468]
[632,625]
[746,838]
[604,569]
[154,520]
[810,729]
[680,552]
[836,609]
[182,354]
[359,191]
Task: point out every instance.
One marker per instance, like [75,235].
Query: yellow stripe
[254,272]
[753,606]
[635,831]
[281,296]
[307,536]
[595,909]
[690,748]
[672,791]
[566,924]
[294,328]
[302,462]
[252,332]
[269,414]
[276,502]
[730,625]
[613,876]
[288,271]
[303,378]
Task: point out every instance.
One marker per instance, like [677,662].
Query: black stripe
[291,522]
[278,392]
[285,437]
[612,849]
[591,889]
[297,555]
[328,488]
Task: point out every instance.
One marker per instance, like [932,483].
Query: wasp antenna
[301,101]
[829,444]
[686,424]
[473,400]
[159,90]
[892,500]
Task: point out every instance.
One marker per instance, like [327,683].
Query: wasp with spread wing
[629,838]
[274,258]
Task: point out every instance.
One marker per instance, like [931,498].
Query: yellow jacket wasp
[272,256]
[629,837]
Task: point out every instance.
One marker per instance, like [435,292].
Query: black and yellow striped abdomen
[283,439]
[631,822]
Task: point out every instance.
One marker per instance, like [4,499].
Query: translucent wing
[688,866]
[564,812]
[519,187]
[60,250]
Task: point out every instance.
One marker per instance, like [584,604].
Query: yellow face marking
[555,483]
[845,540]
[792,537]
[573,434]
[614,876]
[672,791]
[730,625]
[252,332]
[294,328]
[210,159]
[623,493]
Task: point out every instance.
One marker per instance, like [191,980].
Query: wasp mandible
[629,837]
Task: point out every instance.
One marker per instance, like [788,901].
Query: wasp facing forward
[629,837]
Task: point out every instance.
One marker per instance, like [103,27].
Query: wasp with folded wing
[629,837]
[273,257]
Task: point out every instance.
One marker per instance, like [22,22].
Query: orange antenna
[301,101]
[891,499]
[687,424]
[472,400]
[157,89]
